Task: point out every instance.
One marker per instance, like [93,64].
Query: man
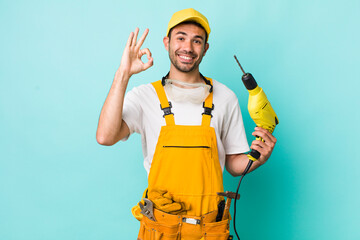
[191,127]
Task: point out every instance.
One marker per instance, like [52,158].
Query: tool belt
[183,227]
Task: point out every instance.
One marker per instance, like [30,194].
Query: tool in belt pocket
[147,209]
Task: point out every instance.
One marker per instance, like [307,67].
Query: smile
[185,58]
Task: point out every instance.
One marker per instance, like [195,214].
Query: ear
[206,48]
[166,43]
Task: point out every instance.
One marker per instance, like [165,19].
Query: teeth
[186,58]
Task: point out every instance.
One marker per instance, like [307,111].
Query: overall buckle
[207,110]
[167,110]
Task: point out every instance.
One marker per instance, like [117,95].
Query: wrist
[122,76]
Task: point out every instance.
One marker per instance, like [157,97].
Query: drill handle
[254,154]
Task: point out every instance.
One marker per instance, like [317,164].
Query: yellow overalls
[186,165]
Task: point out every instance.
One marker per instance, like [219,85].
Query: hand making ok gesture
[131,62]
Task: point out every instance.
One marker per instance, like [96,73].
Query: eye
[180,38]
[198,41]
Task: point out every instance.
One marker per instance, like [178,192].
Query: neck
[188,77]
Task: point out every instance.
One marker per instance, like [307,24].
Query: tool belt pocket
[150,230]
[216,230]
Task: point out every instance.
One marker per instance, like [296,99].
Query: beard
[184,67]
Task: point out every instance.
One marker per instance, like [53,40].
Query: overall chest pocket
[191,166]
[185,147]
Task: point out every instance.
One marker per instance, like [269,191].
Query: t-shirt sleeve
[132,112]
[233,132]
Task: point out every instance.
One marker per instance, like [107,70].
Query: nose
[188,46]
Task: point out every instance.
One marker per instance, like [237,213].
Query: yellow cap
[188,14]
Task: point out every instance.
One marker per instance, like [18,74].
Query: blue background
[57,62]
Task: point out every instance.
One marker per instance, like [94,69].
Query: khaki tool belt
[176,227]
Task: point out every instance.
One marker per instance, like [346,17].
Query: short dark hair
[194,23]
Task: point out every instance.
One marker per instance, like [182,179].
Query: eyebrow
[184,33]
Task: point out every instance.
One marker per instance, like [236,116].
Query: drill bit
[239,64]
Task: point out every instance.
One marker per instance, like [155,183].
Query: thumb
[149,63]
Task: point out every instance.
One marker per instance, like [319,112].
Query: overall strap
[208,107]
[165,105]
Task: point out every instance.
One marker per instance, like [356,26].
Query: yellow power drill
[259,108]
[264,116]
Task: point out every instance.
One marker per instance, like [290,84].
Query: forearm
[236,164]
[110,128]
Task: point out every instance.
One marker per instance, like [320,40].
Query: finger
[150,61]
[263,155]
[144,51]
[142,38]
[257,148]
[261,134]
[133,43]
[148,64]
[261,129]
[266,132]
[261,147]
[260,144]
[128,44]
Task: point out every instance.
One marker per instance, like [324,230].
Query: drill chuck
[249,81]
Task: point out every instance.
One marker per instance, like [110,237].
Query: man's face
[186,46]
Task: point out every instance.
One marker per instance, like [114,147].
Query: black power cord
[237,191]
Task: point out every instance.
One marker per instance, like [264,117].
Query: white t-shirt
[143,115]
